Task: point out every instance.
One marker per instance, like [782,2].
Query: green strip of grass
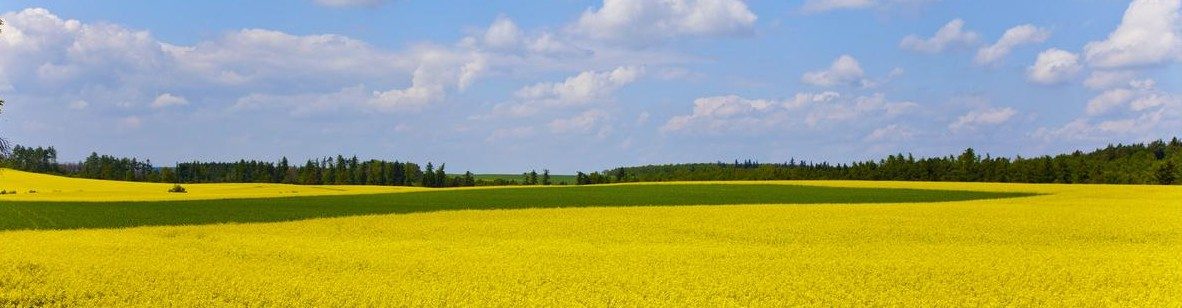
[554,178]
[79,215]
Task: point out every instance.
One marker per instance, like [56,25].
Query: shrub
[177,188]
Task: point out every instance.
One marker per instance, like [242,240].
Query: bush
[177,188]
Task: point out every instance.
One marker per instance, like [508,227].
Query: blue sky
[505,86]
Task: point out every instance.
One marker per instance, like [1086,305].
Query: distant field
[40,187]
[554,178]
[73,215]
[809,243]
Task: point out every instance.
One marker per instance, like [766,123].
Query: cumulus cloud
[1149,33]
[582,88]
[266,56]
[982,117]
[61,53]
[168,100]
[109,65]
[845,70]
[1016,36]
[1053,66]
[719,112]
[1108,100]
[643,22]
[503,33]
[951,35]
[1137,109]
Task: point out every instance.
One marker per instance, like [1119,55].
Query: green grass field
[555,178]
[74,215]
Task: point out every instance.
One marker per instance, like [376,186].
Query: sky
[566,85]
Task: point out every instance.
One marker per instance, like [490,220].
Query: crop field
[555,178]
[820,243]
[39,187]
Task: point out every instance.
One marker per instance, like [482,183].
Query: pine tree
[441,177]
[469,179]
[428,176]
[545,176]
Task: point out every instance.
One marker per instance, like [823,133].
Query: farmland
[556,178]
[1069,244]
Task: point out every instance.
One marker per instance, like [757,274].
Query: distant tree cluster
[1153,163]
[43,160]
[325,171]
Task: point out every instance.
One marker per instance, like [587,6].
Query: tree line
[325,171]
[1156,162]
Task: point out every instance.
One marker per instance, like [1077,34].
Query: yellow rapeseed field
[1079,245]
[40,187]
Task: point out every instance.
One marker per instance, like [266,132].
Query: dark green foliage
[326,171]
[43,160]
[1165,174]
[177,189]
[1116,164]
[75,215]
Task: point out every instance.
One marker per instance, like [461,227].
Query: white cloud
[951,35]
[582,88]
[168,100]
[503,33]
[1108,79]
[845,70]
[1149,33]
[804,111]
[1140,110]
[893,132]
[350,3]
[438,70]
[1019,35]
[412,98]
[62,52]
[722,112]
[644,22]
[584,122]
[306,104]
[1108,100]
[1053,66]
[266,56]
[982,117]
[814,6]
[856,109]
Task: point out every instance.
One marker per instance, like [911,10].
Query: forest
[1153,163]
[1156,162]
[325,171]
